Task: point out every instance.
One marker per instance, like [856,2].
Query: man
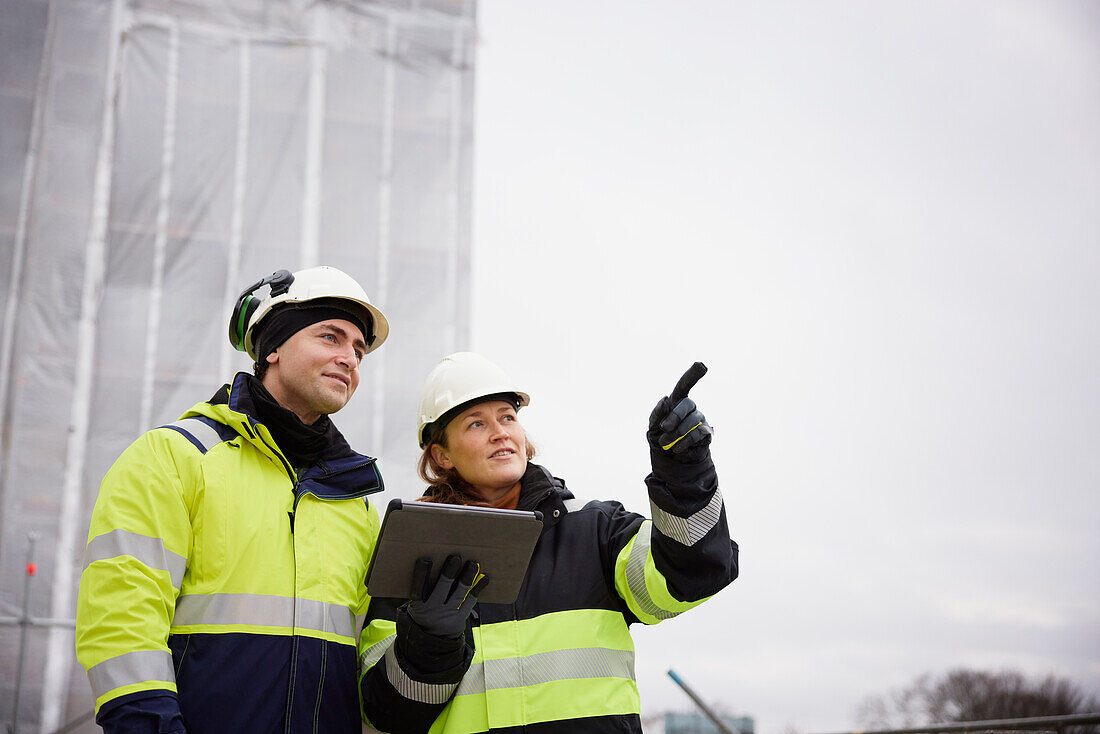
[223,581]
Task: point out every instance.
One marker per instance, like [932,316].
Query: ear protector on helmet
[247,304]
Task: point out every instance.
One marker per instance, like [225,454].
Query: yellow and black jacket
[561,658]
[222,587]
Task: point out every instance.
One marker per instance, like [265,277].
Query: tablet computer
[501,541]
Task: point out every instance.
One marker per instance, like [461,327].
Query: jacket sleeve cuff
[144,712]
[679,487]
[427,657]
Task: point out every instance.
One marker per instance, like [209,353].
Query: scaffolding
[169,153]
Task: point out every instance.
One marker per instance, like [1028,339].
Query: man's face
[315,371]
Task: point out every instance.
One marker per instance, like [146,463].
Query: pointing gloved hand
[676,427]
[442,611]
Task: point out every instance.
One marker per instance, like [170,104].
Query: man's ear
[273,357]
[439,454]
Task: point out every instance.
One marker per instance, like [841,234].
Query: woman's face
[487,446]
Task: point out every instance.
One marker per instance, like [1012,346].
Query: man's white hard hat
[458,379]
[312,284]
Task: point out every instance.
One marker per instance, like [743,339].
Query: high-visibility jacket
[217,575]
[561,658]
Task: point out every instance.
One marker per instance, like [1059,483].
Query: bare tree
[899,709]
[976,695]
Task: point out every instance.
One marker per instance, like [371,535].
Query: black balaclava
[288,320]
[302,444]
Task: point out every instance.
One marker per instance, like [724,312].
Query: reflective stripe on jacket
[214,573]
[562,656]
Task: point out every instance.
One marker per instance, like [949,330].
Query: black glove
[443,611]
[676,427]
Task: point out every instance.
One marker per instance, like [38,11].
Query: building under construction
[156,158]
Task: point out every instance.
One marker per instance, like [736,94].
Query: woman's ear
[439,455]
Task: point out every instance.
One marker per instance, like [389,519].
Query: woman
[560,658]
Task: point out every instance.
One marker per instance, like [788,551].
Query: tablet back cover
[500,540]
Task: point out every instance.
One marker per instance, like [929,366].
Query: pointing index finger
[687,381]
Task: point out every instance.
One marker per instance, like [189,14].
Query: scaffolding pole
[59,645]
[385,213]
[160,242]
[18,259]
[312,193]
[240,176]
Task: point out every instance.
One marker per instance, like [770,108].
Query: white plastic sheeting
[155,158]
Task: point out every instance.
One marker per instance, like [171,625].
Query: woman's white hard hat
[458,379]
[330,284]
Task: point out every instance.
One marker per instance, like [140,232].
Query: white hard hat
[459,379]
[322,282]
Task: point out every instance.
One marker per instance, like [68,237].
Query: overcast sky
[877,223]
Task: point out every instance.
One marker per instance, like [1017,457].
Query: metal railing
[1032,723]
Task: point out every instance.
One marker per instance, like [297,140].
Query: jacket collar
[340,473]
[543,492]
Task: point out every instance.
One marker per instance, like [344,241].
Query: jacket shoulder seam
[201,432]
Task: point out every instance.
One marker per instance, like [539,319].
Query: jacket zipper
[285,463]
[297,497]
[286,466]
